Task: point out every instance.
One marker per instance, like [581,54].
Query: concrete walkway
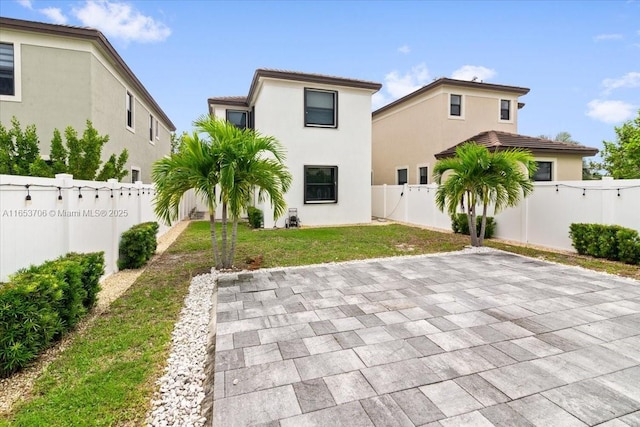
[463,339]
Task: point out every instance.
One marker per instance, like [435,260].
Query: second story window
[455,105]
[424,173]
[7,70]
[151,131]
[505,109]
[320,108]
[129,110]
[238,118]
[402,176]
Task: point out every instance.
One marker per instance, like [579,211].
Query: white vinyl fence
[44,218]
[541,219]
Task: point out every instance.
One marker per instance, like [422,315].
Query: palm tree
[483,177]
[225,168]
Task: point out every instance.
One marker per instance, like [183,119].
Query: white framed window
[10,72]
[423,174]
[402,175]
[157,129]
[456,106]
[238,118]
[320,184]
[130,107]
[320,108]
[152,131]
[505,110]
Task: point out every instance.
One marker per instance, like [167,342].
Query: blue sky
[581,59]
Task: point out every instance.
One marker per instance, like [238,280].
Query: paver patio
[461,339]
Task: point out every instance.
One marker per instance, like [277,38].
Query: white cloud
[121,20]
[25,3]
[404,49]
[605,37]
[397,85]
[469,72]
[54,14]
[629,80]
[610,111]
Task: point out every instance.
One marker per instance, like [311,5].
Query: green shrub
[460,225]
[137,245]
[92,269]
[41,303]
[255,217]
[606,241]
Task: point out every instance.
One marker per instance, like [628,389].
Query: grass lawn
[107,374]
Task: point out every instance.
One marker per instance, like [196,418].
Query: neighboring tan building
[56,76]
[557,161]
[409,132]
[324,123]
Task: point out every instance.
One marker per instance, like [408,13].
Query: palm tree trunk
[484,224]
[234,235]
[225,259]
[471,217]
[214,240]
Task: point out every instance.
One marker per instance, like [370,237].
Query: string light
[557,189]
[28,198]
[79,192]
[59,193]
[97,194]
[112,193]
[584,191]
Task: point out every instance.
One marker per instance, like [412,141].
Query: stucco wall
[64,81]
[410,134]
[279,112]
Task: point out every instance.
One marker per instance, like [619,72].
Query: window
[320,108]
[135,175]
[505,109]
[157,130]
[238,118]
[544,171]
[455,108]
[402,176]
[7,70]
[151,132]
[321,184]
[424,173]
[129,110]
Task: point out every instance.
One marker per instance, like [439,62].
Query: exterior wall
[64,82]
[410,134]
[279,112]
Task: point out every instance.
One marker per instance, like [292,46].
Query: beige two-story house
[56,76]
[324,124]
[411,133]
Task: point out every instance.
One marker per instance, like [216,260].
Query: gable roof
[458,83]
[496,141]
[94,36]
[294,76]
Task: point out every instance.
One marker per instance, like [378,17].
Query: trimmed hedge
[255,216]
[460,225]
[137,245]
[612,242]
[41,303]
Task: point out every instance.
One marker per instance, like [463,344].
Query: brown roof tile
[497,140]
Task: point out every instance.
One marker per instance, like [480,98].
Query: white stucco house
[324,123]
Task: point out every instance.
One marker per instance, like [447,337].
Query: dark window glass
[402,176]
[505,109]
[544,171]
[320,184]
[423,175]
[238,118]
[135,175]
[129,110]
[7,69]
[456,105]
[320,108]
[150,127]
